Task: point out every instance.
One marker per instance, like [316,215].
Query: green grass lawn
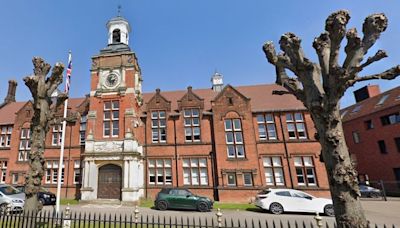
[223,206]
[70,201]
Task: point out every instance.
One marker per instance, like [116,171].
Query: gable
[158,102]
[190,99]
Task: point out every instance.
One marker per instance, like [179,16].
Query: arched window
[116,36]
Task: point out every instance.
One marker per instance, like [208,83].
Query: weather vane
[119,10]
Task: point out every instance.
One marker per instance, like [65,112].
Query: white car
[278,201]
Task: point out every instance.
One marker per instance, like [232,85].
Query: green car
[178,198]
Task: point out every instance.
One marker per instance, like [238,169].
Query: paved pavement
[377,212]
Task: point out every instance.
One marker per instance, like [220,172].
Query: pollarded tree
[42,89]
[321,85]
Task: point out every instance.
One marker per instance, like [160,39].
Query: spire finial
[119,10]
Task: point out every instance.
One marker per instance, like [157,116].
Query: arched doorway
[109,182]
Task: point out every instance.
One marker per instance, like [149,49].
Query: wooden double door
[110,182]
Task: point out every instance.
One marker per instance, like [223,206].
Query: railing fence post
[136,214]
[383,190]
[219,217]
[318,220]
[67,220]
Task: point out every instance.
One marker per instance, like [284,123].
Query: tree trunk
[42,88]
[342,173]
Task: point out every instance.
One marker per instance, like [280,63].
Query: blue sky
[178,42]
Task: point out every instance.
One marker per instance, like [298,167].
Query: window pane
[203,176]
[185,162]
[196,121]
[162,114]
[308,161]
[238,137]
[229,137]
[231,151]
[188,122]
[115,105]
[267,162]
[154,123]
[261,131]
[247,179]
[276,161]
[195,176]
[231,178]
[159,163]
[279,178]
[236,124]
[194,162]
[115,114]
[202,162]
[228,125]
[154,115]
[271,131]
[186,176]
[298,161]
[298,116]
[195,112]
[240,151]
[107,105]
[269,179]
[167,162]
[187,113]
[260,118]
[162,122]
[269,118]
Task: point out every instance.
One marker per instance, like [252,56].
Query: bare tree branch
[41,68]
[291,45]
[380,54]
[335,25]
[373,26]
[55,78]
[277,60]
[322,46]
[390,74]
[352,48]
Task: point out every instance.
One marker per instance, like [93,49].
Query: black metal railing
[67,219]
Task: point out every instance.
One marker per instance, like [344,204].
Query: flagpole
[61,161]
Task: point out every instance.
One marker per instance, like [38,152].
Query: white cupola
[217,82]
[118,31]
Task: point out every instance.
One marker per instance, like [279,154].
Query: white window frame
[56,135]
[195,171]
[159,126]
[112,119]
[232,139]
[160,167]
[269,163]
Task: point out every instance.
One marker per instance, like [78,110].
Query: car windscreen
[9,190]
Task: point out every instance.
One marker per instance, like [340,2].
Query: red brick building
[226,142]
[372,131]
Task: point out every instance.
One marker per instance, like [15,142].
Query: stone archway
[109,182]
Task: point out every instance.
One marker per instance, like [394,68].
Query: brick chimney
[366,92]
[12,87]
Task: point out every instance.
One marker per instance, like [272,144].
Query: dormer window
[116,36]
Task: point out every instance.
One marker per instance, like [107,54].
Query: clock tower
[113,158]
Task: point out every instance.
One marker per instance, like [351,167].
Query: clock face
[112,80]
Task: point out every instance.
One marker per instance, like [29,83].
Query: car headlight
[17,201]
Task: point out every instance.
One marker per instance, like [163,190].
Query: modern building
[226,142]
[372,131]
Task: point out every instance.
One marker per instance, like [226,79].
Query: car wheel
[162,205]
[276,208]
[3,209]
[374,195]
[328,210]
[203,207]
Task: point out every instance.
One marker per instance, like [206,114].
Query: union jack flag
[69,70]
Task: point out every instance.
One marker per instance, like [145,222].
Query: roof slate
[370,105]
[261,98]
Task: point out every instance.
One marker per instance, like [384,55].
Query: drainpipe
[176,154]
[145,158]
[286,150]
[214,166]
[69,162]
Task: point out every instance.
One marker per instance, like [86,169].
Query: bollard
[136,213]
[67,221]
[318,220]
[219,217]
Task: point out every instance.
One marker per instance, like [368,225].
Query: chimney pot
[12,87]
